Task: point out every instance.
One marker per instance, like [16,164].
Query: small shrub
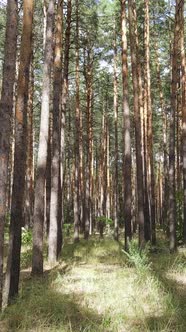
[67,228]
[137,257]
[26,236]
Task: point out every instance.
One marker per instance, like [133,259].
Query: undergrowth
[97,287]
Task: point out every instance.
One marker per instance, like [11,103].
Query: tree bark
[115,202]
[64,99]
[37,258]
[55,228]
[77,197]
[137,117]
[17,208]
[172,143]
[150,157]
[183,85]
[6,113]
[126,132]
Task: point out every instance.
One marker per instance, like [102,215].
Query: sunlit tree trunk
[172,143]
[108,189]
[164,140]
[29,188]
[55,223]
[17,207]
[88,175]
[183,84]
[37,258]
[126,132]
[6,113]
[64,98]
[115,200]
[137,118]
[77,192]
[150,157]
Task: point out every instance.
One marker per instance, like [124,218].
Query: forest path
[97,288]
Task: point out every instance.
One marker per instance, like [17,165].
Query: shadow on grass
[40,307]
[175,322]
[104,251]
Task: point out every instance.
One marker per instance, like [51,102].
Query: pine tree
[6,113]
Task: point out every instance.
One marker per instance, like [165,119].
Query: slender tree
[172,143]
[65,97]
[6,113]
[37,258]
[116,157]
[77,137]
[17,208]
[55,224]
[183,67]
[137,117]
[126,131]
[150,156]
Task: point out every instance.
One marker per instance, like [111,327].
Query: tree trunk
[150,157]
[137,117]
[29,188]
[172,144]
[17,208]
[77,137]
[37,258]
[183,82]
[64,99]
[126,133]
[6,113]
[54,228]
[115,210]
[89,175]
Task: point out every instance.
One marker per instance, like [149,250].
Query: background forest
[92,165]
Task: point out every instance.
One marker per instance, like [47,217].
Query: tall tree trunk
[126,132]
[164,140]
[77,197]
[37,258]
[108,189]
[64,98]
[6,113]
[150,157]
[55,228]
[88,178]
[29,188]
[137,117]
[17,208]
[183,82]
[116,230]
[172,144]
[48,179]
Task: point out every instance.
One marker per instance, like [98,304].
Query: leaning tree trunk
[55,223]
[37,258]
[6,112]
[126,132]
[17,208]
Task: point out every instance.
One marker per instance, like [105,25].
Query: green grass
[97,287]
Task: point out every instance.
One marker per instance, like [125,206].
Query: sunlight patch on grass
[97,288]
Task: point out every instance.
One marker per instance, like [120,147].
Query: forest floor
[97,287]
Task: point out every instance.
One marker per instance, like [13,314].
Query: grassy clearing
[98,288]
